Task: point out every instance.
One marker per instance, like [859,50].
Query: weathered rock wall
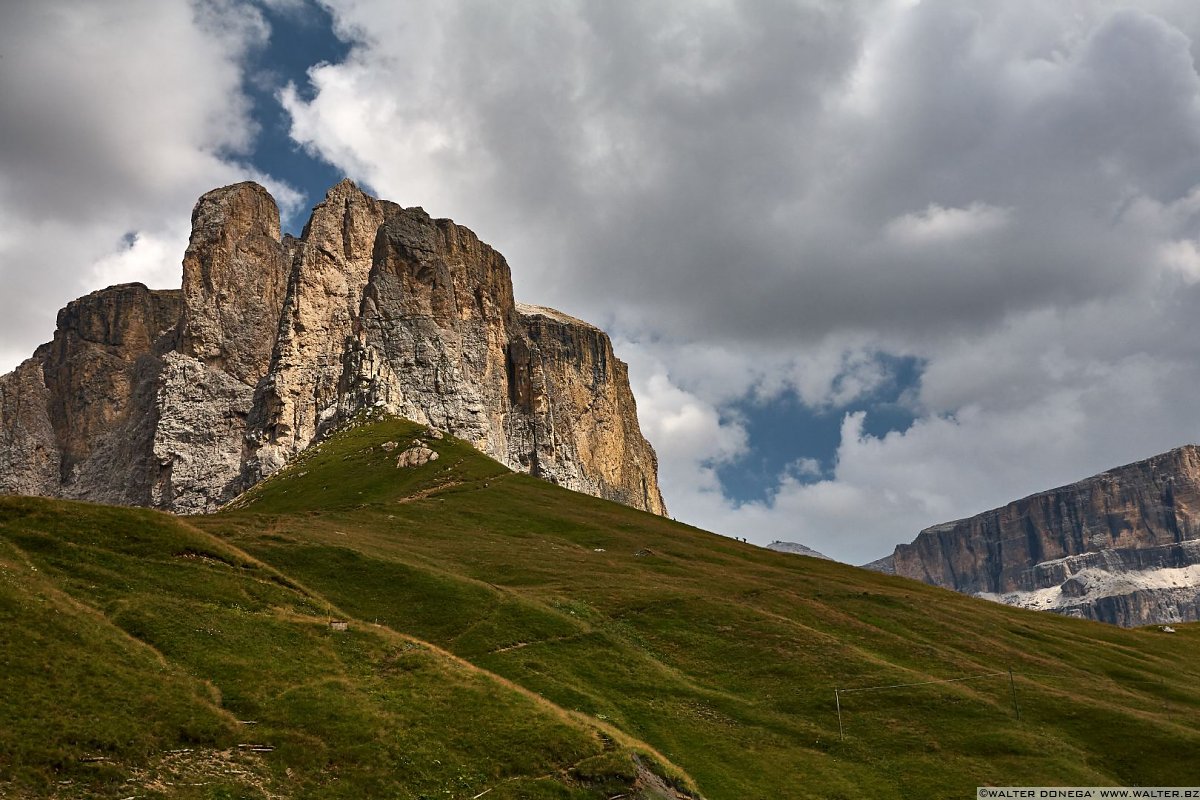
[29,453]
[582,430]
[105,352]
[1064,549]
[329,266]
[234,279]
[183,399]
[436,317]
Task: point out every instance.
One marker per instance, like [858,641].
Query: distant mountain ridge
[798,549]
[181,399]
[1120,547]
[884,565]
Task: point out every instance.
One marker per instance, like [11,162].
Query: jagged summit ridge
[181,399]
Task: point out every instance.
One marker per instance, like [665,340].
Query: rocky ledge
[182,399]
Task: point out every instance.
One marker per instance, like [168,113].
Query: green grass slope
[142,657]
[512,637]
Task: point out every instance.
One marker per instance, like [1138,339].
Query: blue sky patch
[298,41]
[786,435]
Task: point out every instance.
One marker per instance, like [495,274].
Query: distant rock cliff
[182,399]
[1121,547]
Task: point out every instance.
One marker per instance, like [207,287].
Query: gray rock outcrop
[29,455]
[797,549]
[100,373]
[234,279]
[182,399]
[1120,547]
[417,455]
[884,565]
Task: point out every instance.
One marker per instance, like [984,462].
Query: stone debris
[416,456]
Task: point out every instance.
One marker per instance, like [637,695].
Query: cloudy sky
[874,264]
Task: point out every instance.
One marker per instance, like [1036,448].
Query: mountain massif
[182,399]
[1120,547]
[383,611]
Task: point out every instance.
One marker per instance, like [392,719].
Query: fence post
[1013,685]
[838,701]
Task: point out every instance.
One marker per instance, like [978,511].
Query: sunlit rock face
[1120,547]
[182,399]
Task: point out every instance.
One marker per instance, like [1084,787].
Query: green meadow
[507,638]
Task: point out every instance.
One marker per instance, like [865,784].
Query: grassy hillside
[508,636]
[142,657]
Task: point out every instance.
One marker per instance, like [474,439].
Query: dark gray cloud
[759,196]
[755,197]
[736,168]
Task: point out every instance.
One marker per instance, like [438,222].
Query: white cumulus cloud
[114,118]
[937,225]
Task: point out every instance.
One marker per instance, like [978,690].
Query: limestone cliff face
[234,278]
[182,399]
[105,352]
[329,267]
[29,454]
[440,339]
[574,390]
[437,314]
[1121,547]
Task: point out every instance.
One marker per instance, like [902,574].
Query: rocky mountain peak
[234,254]
[181,399]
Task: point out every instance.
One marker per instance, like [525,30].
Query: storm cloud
[765,197]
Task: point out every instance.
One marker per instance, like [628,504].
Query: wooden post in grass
[838,701]
[1013,685]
